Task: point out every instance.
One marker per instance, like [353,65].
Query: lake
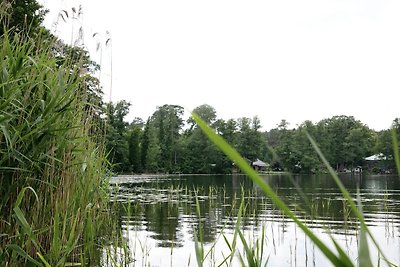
[158,217]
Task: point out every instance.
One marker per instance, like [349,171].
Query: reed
[52,173]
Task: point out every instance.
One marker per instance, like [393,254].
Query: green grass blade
[71,242]
[246,168]
[364,258]
[198,251]
[22,253]
[198,244]
[342,254]
[346,195]
[242,263]
[56,246]
[27,229]
[227,243]
[46,264]
[237,230]
[249,252]
[21,195]
[19,216]
[213,246]
[396,150]
[262,243]
[225,259]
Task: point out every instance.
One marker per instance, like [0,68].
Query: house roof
[260,163]
[376,157]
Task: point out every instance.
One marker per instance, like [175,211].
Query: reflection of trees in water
[317,199]
[165,208]
[163,220]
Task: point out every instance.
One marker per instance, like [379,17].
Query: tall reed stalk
[52,173]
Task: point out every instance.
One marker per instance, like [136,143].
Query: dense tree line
[344,141]
[166,143]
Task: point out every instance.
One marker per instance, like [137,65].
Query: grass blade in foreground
[364,258]
[396,150]
[198,244]
[245,167]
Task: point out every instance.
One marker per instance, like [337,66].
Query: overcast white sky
[278,59]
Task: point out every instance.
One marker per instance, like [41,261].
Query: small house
[378,163]
[376,157]
[259,165]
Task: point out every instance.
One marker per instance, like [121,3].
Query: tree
[250,142]
[167,121]
[145,145]
[308,158]
[201,155]
[274,139]
[116,140]
[396,129]
[206,112]
[343,140]
[358,144]
[228,130]
[134,148]
[283,125]
[21,16]
[384,143]
[288,156]
[332,136]
[153,155]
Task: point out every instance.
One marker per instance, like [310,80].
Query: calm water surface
[158,217]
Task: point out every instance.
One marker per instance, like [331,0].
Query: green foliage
[249,139]
[200,154]
[384,143]
[21,16]
[168,122]
[396,148]
[46,145]
[153,151]
[166,147]
[134,137]
[357,144]
[145,145]
[344,140]
[335,135]
[116,135]
[206,112]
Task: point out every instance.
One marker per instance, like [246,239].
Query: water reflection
[161,212]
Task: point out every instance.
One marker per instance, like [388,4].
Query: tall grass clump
[52,173]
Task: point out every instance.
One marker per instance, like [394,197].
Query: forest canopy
[167,143]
